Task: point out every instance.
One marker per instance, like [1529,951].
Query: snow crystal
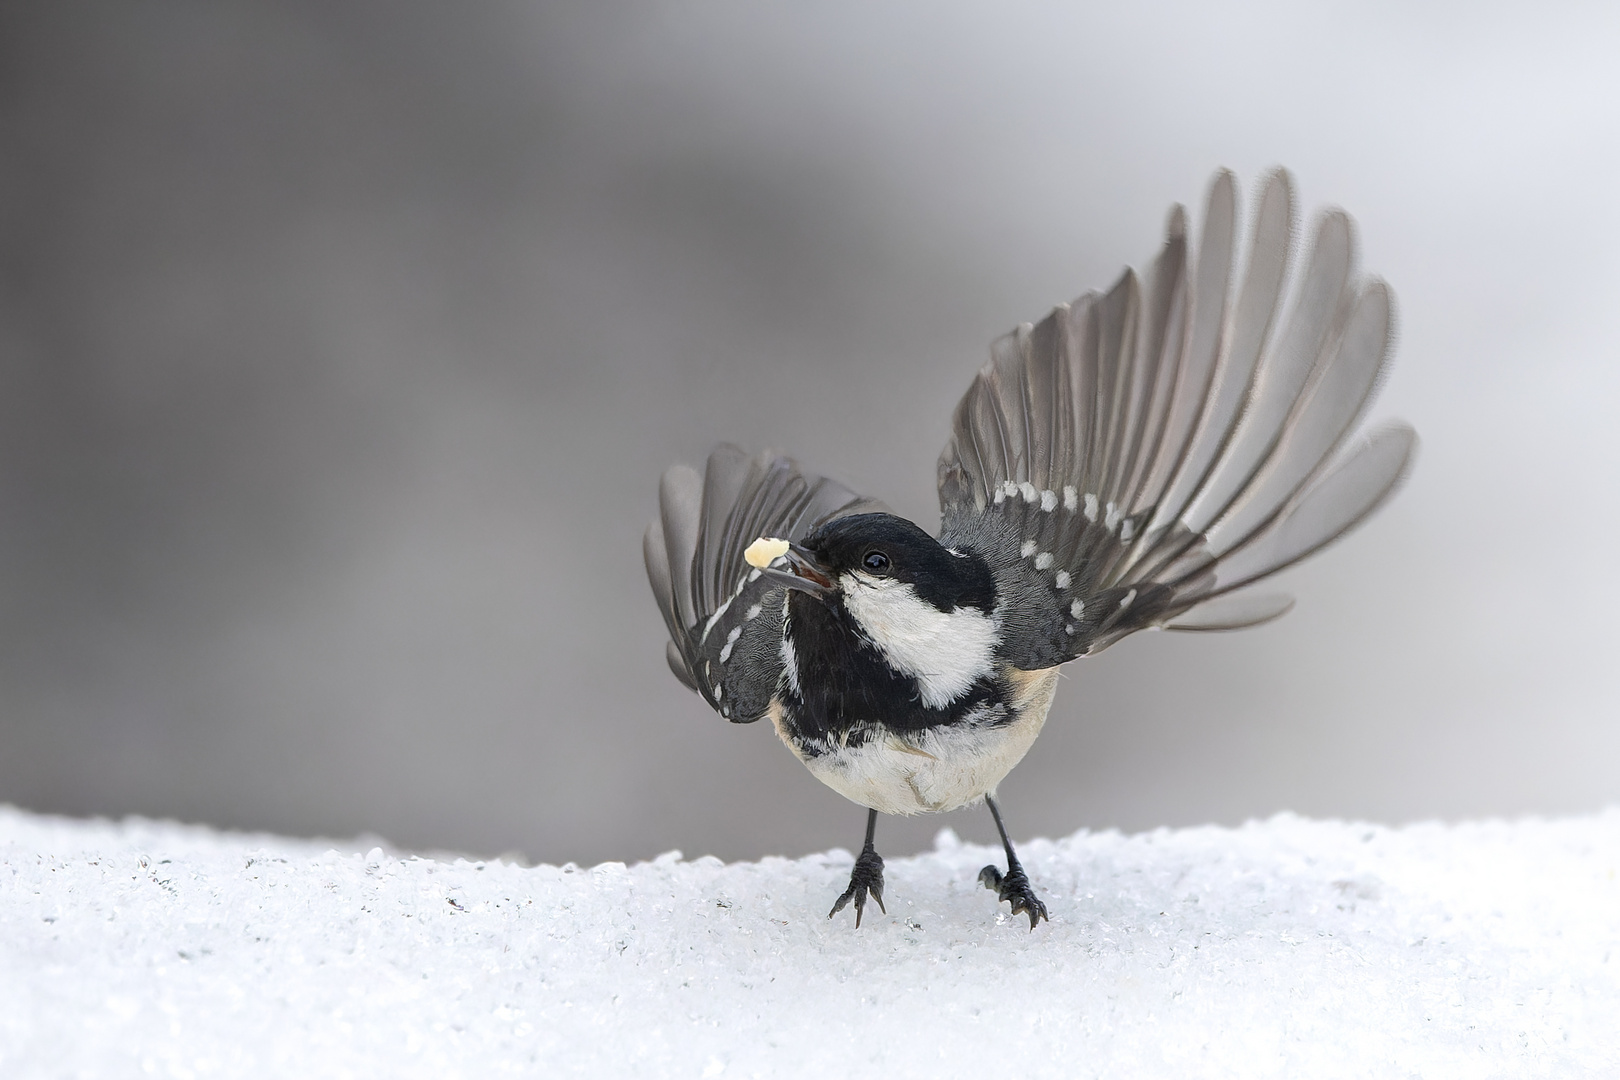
[1283,948]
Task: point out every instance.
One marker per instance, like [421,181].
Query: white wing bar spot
[731,641]
[719,611]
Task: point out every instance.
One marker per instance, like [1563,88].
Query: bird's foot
[1014,888]
[867,877]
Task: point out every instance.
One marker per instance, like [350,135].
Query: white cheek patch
[945,651]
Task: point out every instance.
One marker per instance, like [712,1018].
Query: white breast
[937,770]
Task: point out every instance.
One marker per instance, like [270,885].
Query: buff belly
[940,769]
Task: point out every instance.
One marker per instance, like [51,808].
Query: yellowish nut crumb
[764,551]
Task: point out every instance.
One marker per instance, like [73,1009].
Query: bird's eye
[875,561]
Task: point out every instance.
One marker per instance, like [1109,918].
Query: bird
[1138,459]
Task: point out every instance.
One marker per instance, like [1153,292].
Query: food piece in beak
[764,551]
[802,571]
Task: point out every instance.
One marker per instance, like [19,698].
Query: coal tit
[1137,459]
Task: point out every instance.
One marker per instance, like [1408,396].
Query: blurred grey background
[341,347]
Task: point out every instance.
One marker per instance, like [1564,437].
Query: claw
[866,878]
[1014,888]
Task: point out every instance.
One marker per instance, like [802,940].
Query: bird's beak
[791,565]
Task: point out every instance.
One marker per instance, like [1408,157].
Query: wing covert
[719,610]
[1138,455]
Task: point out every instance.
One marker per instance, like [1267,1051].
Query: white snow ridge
[1288,948]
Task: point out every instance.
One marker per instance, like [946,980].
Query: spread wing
[1140,457]
[725,621]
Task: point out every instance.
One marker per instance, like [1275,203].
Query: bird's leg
[867,877]
[1012,887]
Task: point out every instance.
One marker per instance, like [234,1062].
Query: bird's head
[931,611]
[877,554]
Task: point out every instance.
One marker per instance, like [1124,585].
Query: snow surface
[1283,948]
